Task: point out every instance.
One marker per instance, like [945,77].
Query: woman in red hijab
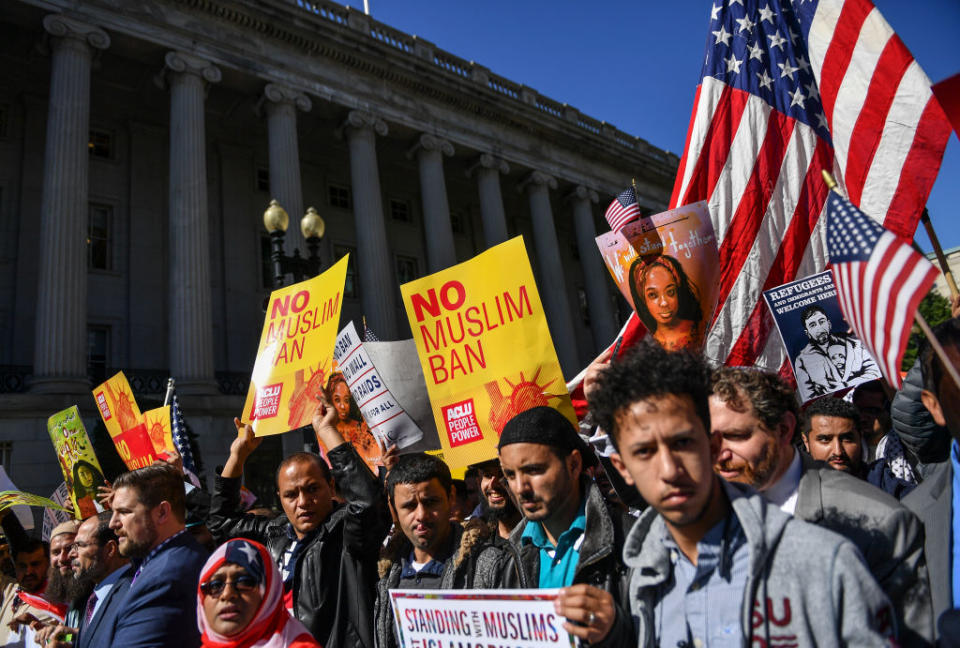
[240,601]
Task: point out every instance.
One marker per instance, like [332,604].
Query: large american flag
[880,281]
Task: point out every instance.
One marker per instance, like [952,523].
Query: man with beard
[830,434]
[148,517]
[22,600]
[60,582]
[754,417]
[570,538]
[102,578]
[428,549]
[714,564]
[496,505]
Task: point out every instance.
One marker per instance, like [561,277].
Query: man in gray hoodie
[713,564]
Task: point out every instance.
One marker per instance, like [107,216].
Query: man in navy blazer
[160,607]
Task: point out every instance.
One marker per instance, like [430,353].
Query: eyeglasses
[241,583]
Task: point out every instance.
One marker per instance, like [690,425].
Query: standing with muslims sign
[486,351]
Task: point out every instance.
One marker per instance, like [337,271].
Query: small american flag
[179,433]
[880,281]
[368,334]
[622,210]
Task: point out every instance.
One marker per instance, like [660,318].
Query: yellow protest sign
[482,337]
[81,470]
[295,352]
[159,429]
[120,413]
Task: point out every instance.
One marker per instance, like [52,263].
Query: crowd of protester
[694,507]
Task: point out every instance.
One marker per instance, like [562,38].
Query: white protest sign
[23,513]
[387,421]
[53,517]
[487,618]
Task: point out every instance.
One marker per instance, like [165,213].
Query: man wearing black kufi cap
[569,537]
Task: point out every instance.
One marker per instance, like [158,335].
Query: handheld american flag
[179,433]
[880,281]
[622,210]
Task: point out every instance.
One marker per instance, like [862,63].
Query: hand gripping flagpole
[921,322]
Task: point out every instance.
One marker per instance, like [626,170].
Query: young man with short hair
[713,563]
[496,504]
[429,550]
[830,434]
[570,537]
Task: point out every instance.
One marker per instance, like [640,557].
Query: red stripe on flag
[746,222]
[919,171]
[840,51]
[868,129]
[873,288]
[813,195]
[716,145]
[686,147]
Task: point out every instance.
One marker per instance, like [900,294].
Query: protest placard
[826,356]
[364,388]
[53,517]
[22,512]
[487,618]
[121,415]
[482,337]
[295,352]
[667,267]
[159,429]
[15,498]
[81,470]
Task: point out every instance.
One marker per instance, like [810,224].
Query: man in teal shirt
[569,538]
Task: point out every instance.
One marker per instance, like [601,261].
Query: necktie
[88,614]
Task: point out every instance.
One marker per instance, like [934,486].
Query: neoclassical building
[141,141]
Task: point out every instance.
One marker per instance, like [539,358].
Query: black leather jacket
[335,580]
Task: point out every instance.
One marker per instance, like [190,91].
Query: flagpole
[941,258]
[921,322]
[166,398]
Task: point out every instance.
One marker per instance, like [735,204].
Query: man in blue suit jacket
[160,607]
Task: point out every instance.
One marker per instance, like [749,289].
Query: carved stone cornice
[183,63]
[428,142]
[488,161]
[59,26]
[361,120]
[537,179]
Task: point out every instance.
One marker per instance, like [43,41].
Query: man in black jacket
[570,537]
[326,552]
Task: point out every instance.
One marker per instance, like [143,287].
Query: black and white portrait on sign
[825,356]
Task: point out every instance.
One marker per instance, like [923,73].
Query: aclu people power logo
[267,402]
[461,422]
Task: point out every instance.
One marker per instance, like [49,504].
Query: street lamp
[276,220]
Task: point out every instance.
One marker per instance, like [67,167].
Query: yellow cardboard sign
[118,408]
[482,337]
[295,353]
[159,429]
[81,470]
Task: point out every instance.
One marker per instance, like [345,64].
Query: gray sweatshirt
[807,586]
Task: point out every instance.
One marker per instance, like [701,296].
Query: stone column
[603,321]
[282,104]
[429,151]
[488,169]
[60,347]
[191,328]
[375,265]
[553,290]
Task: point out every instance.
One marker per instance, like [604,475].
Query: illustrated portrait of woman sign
[667,302]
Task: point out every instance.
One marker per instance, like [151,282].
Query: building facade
[141,141]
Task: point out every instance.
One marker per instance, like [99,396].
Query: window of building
[263,179]
[101,144]
[6,455]
[266,263]
[98,352]
[400,210]
[350,287]
[339,196]
[98,237]
[4,119]
[408,269]
[459,222]
[584,306]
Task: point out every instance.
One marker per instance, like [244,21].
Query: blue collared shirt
[102,590]
[700,604]
[955,527]
[558,564]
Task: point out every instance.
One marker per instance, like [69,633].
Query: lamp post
[276,220]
